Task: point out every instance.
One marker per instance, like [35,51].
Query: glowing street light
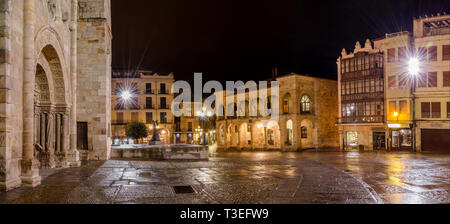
[414,66]
[395,114]
[126,95]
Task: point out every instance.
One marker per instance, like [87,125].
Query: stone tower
[94,78]
[55,62]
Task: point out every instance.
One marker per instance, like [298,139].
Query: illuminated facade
[308,110]
[419,112]
[149,100]
[361,98]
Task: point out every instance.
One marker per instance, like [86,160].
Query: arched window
[304,132]
[305,107]
[290,133]
[285,106]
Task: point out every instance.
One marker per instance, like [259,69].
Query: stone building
[46,52]
[150,99]
[308,112]
[419,113]
[361,98]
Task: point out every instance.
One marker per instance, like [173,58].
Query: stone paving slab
[241,178]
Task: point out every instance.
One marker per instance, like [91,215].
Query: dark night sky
[245,39]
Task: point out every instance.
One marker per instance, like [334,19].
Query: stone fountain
[158,150]
[156,137]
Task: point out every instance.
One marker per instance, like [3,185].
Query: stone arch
[289,132]
[244,135]
[59,82]
[307,134]
[165,135]
[273,128]
[48,46]
[51,116]
[222,135]
[43,92]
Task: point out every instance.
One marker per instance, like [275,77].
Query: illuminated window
[286,106]
[290,132]
[352,138]
[305,104]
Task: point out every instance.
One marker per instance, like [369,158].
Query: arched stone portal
[51,112]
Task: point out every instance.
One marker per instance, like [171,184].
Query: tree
[137,130]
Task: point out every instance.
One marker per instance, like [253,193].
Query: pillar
[73,156]
[30,166]
[58,133]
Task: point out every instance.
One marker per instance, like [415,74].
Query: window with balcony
[148,103]
[446,79]
[427,80]
[134,116]
[446,52]
[148,117]
[432,79]
[402,54]
[402,80]
[391,54]
[392,82]
[162,88]
[432,53]
[163,103]
[431,110]
[148,88]
[119,117]
[163,118]
[448,109]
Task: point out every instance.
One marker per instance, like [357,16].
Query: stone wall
[94,75]
[320,122]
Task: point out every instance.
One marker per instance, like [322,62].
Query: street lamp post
[202,117]
[413,69]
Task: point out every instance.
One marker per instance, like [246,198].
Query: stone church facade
[55,67]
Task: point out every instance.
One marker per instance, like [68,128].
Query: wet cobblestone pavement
[248,178]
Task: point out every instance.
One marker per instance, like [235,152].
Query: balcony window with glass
[432,53]
[391,55]
[148,103]
[163,103]
[148,88]
[148,117]
[446,79]
[163,118]
[446,52]
[162,88]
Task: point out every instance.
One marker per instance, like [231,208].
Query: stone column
[42,131]
[251,136]
[30,166]
[51,137]
[58,148]
[73,156]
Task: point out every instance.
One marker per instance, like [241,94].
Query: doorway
[379,141]
[82,135]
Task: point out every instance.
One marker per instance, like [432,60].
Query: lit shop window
[352,138]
